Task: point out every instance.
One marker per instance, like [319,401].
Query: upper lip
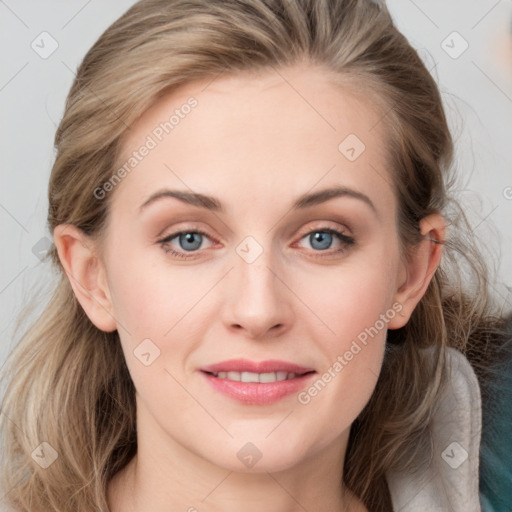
[244,365]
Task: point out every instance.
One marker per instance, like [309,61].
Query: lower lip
[257,393]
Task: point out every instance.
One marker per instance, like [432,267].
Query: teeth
[250,377]
[268,377]
[256,377]
[281,375]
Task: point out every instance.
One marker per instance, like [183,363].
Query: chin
[268,463]
[258,456]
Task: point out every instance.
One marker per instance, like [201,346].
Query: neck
[129,490]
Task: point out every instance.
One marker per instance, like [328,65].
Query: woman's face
[268,268]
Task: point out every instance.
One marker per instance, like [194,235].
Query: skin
[256,143]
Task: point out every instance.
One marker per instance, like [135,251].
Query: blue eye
[322,239]
[189,242]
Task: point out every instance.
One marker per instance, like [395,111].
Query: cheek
[160,323]
[159,311]
[354,314]
[350,297]
[149,296]
[354,306]
[353,353]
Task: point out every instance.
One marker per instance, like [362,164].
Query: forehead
[244,136]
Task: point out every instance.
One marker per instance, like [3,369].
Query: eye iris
[324,238]
[189,238]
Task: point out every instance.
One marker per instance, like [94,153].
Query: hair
[68,383]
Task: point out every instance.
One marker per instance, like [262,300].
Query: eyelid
[324,226]
[179,226]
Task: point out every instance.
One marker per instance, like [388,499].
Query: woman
[260,304]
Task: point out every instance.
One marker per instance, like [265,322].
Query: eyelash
[346,240]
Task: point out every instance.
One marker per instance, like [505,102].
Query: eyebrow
[304,201]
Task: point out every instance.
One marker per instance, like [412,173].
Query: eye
[321,239]
[189,241]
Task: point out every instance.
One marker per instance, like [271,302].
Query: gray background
[476,87]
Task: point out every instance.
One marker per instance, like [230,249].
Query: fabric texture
[496,444]
[448,481]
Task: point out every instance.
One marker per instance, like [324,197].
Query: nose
[259,301]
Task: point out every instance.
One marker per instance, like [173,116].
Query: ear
[419,268]
[86,274]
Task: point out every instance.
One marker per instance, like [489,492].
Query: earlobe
[86,275]
[420,268]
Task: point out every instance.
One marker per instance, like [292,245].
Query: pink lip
[244,365]
[257,393]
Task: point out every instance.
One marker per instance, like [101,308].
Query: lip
[244,365]
[257,393]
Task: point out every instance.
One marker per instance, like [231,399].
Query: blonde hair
[68,383]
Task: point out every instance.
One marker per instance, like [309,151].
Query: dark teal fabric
[496,443]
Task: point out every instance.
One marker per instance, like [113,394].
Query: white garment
[450,482]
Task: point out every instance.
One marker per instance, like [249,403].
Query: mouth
[257,383]
[263,378]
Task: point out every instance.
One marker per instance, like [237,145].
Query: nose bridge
[258,300]
[257,281]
